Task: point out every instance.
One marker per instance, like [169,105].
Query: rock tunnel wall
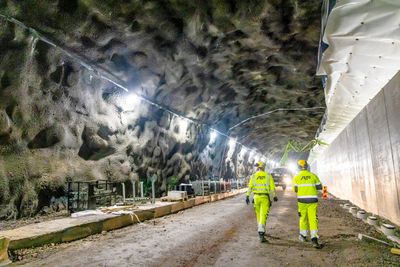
[363,163]
[57,121]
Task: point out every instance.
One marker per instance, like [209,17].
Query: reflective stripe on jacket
[306,184]
[261,183]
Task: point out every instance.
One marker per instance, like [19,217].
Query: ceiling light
[232,143]
[183,124]
[129,102]
[213,136]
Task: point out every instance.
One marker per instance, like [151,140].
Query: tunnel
[150,97]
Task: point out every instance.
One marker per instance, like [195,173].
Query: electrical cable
[270,112]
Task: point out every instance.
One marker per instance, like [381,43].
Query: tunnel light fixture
[232,143]
[183,124]
[251,156]
[213,136]
[129,102]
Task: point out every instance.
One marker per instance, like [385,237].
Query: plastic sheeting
[362,56]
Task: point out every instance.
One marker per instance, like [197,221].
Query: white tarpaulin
[363,55]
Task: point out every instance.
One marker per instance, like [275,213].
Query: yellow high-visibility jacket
[261,183]
[306,184]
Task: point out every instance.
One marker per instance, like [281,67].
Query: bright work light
[213,136]
[183,124]
[129,102]
[292,167]
[232,143]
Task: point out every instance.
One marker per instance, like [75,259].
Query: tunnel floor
[222,234]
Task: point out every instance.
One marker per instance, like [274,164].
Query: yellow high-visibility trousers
[308,218]
[261,207]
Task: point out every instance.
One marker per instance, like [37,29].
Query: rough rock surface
[217,62]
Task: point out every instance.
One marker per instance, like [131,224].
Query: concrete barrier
[81,231]
[200,200]
[189,204]
[178,206]
[162,211]
[118,222]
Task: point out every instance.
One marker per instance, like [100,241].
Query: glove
[247,200]
[275,199]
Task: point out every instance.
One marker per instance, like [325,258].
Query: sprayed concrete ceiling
[218,62]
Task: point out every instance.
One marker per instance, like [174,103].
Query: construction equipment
[86,195]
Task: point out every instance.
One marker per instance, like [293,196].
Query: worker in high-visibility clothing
[306,184]
[263,187]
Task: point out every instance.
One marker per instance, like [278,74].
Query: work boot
[302,238]
[315,243]
[262,237]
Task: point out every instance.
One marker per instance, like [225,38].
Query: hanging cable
[270,112]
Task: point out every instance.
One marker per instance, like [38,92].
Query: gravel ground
[222,233]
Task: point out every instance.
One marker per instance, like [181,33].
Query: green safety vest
[261,183]
[306,184]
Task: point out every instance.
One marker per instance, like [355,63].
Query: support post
[134,190]
[141,190]
[70,206]
[123,193]
[153,191]
[153,188]
[91,197]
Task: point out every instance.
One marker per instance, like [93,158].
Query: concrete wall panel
[382,160]
[392,101]
[363,163]
[357,193]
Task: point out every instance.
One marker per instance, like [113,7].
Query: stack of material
[176,196]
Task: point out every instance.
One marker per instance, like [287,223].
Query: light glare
[213,136]
[232,143]
[129,102]
[183,124]
[292,167]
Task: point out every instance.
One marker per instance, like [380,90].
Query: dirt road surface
[223,233]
